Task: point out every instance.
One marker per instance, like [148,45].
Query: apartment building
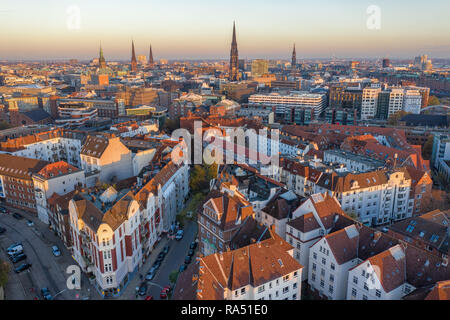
[53,146]
[313,219]
[106,243]
[58,215]
[220,220]
[381,277]
[369,103]
[16,181]
[261,271]
[298,107]
[352,161]
[105,158]
[59,177]
[330,259]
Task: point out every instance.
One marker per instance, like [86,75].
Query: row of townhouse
[113,238]
[344,259]
[375,197]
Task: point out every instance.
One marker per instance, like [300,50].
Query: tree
[433,101]
[4,270]
[395,118]
[171,125]
[428,148]
[201,175]
[173,276]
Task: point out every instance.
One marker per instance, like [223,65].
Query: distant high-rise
[133,58]
[101,60]
[234,58]
[150,57]
[386,63]
[294,58]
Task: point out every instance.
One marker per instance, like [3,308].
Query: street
[172,262]
[47,270]
[50,271]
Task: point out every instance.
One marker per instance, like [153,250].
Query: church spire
[294,58]
[150,56]
[101,60]
[234,57]
[133,58]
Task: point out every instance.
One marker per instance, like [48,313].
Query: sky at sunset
[194,29]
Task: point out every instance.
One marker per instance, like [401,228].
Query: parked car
[56,251]
[160,257]
[166,249]
[19,257]
[164,292]
[385,229]
[15,250]
[3,210]
[182,267]
[2,230]
[187,260]
[191,253]
[179,235]
[18,216]
[22,267]
[151,274]
[148,298]
[14,245]
[193,245]
[157,264]
[46,294]
[30,223]
[143,289]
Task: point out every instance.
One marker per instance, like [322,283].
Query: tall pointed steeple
[150,57]
[294,58]
[133,58]
[234,57]
[101,60]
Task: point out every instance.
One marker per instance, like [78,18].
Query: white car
[56,251]
[30,223]
[179,235]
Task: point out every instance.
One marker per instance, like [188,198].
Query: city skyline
[320,30]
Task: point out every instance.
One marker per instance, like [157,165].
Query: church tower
[150,57]
[234,58]
[101,60]
[294,58]
[133,58]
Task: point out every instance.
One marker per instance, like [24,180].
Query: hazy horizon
[199,30]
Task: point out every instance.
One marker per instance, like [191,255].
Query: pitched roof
[253,265]
[344,244]
[57,169]
[20,167]
[94,146]
[441,291]
[37,115]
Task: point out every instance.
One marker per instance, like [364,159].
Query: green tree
[4,270]
[428,148]
[173,276]
[433,101]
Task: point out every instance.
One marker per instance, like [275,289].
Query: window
[315,255]
[322,283]
[261,289]
[313,276]
[365,286]
[314,266]
[364,297]
[330,289]
[243,291]
[324,261]
[294,285]
[285,289]
[331,278]
[354,292]
[378,293]
[355,280]
[332,266]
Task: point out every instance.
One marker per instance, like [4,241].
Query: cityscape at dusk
[222,155]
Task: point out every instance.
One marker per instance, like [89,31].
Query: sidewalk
[129,292]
